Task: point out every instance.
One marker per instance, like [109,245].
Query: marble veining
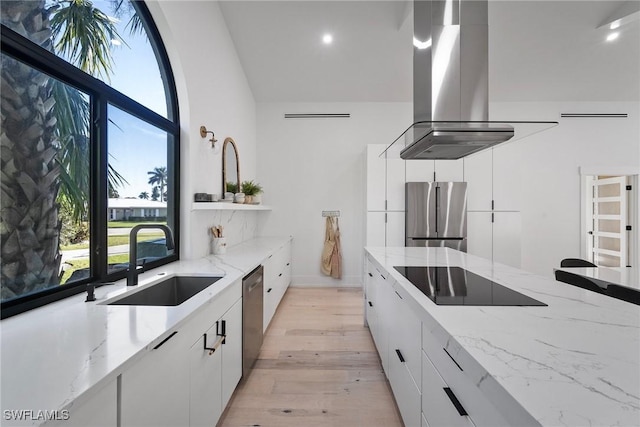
[56,356]
[575,362]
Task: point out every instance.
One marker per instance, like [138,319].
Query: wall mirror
[230,167]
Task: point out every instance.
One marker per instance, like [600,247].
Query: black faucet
[132,272]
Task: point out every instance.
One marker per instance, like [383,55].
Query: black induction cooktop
[457,286]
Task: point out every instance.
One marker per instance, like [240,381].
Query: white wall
[550,171]
[212,91]
[310,165]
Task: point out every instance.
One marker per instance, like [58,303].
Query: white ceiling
[538,50]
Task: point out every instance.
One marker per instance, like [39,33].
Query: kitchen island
[573,362]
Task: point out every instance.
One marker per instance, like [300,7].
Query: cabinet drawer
[455,368]
[406,335]
[405,391]
[438,407]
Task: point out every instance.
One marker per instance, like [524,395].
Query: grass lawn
[114,241]
[128,224]
[80,263]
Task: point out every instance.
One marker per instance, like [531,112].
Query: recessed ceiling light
[327,39]
[421,45]
[615,24]
[612,36]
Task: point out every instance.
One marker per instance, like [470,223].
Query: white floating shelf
[223,206]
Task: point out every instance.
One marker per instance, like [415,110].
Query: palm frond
[83,34]
[123,8]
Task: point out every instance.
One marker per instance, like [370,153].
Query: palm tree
[144,195]
[155,194]
[158,178]
[44,130]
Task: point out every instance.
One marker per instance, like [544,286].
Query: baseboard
[326,282]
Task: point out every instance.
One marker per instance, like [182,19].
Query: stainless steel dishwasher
[252,307]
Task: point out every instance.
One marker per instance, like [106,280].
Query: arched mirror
[230,167]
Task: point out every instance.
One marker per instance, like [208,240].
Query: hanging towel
[327,250]
[336,255]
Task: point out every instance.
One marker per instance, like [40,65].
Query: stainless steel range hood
[450,85]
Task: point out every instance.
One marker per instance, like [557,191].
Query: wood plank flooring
[318,367]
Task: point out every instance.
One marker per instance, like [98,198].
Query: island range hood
[450,85]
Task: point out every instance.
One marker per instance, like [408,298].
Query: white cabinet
[155,391]
[395,229]
[507,228]
[437,407]
[214,375]
[480,234]
[507,177]
[100,410]
[395,184]
[277,277]
[376,177]
[179,382]
[405,364]
[449,170]
[205,372]
[419,170]
[478,174]
[231,351]
[385,197]
[376,228]
[495,236]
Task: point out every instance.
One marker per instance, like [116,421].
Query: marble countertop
[56,354]
[575,362]
[603,276]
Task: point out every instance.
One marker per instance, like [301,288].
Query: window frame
[101,96]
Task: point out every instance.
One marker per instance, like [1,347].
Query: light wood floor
[317,367]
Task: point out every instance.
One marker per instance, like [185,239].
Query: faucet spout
[132,272]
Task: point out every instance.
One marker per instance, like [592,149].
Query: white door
[609,221]
[507,229]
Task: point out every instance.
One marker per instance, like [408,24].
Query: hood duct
[451,85]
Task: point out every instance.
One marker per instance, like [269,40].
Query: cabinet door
[506,238]
[507,177]
[437,406]
[231,351]
[395,184]
[155,391]
[376,176]
[99,411]
[480,234]
[386,317]
[449,170]
[395,229]
[419,170]
[375,229]
[478,175]
[405,338]
[205,404]
[404,390]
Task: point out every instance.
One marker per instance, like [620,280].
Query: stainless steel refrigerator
[436,214]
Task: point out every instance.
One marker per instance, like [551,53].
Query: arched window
[89,146]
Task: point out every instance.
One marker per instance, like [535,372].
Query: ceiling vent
[317,116]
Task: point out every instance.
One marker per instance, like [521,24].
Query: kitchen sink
[170,292]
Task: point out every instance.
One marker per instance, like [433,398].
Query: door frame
[631,171]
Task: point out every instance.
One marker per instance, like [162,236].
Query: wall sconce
[203,134]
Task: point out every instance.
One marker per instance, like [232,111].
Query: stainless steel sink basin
[170,292]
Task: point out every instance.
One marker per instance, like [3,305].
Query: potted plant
[251,192]
[232,187]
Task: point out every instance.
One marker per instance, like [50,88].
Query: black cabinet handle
[288,264]
[454,360]
[370,305]
[455,401]
[370,275]
[165,340]
[279,275]
[269,290]
[400,355]
[399,296]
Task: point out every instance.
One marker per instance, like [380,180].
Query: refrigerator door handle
[437,209]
